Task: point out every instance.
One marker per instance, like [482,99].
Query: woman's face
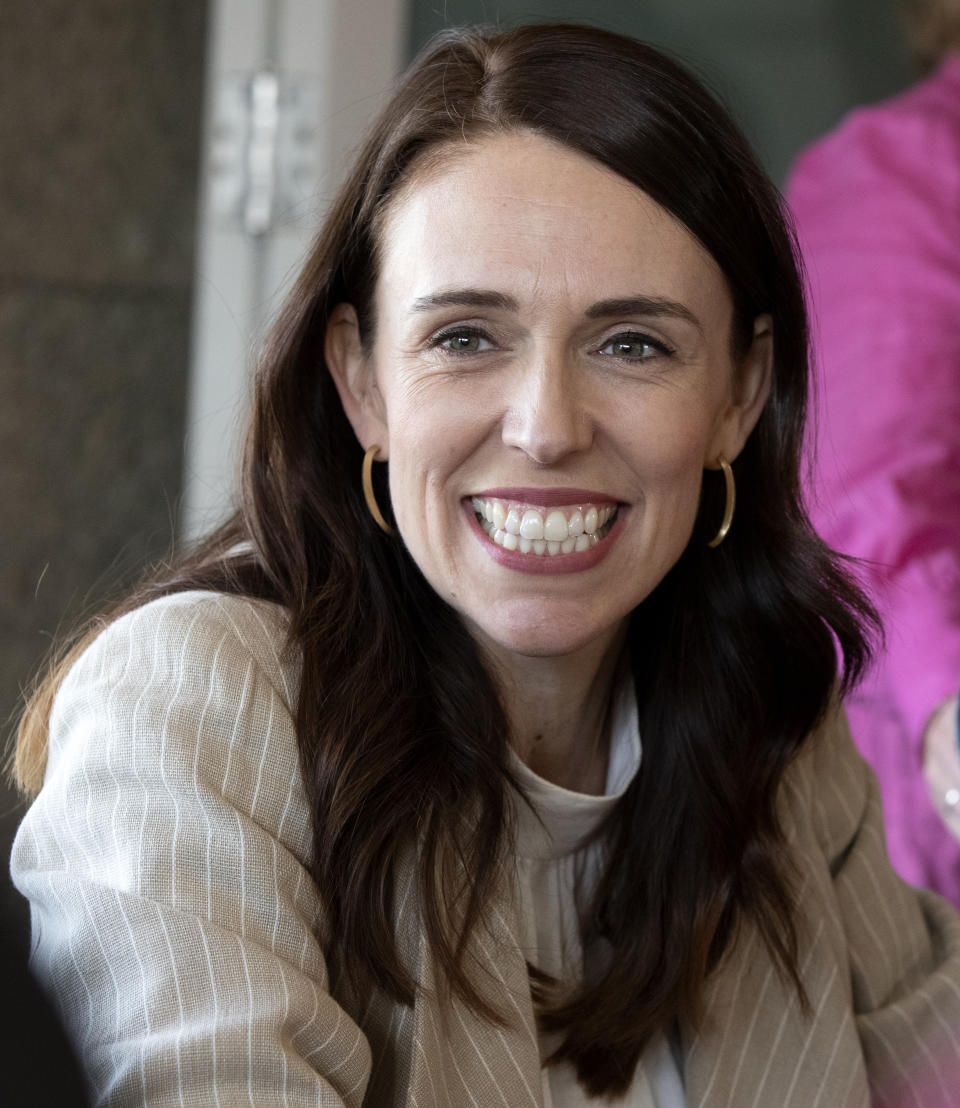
[550,374]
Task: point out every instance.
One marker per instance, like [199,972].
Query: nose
[546,416]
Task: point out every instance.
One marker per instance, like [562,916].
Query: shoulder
[192,694]
[192,661]
[828,786]
[180,637]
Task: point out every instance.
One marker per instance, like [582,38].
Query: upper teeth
[550,530]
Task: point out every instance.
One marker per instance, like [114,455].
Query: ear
[349,365]
[751,387]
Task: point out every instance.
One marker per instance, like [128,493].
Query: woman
[349,807]
[876,206]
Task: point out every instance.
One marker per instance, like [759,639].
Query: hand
[941,763]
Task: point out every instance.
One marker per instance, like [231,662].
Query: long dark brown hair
[402,738]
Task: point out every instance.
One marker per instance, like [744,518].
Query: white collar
[562,820]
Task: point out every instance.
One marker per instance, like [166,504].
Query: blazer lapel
[756,1046]
[459,1059]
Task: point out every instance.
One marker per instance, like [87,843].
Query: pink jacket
[877,206]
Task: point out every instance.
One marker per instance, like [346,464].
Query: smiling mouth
[543,531]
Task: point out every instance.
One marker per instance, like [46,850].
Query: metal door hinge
[264,156]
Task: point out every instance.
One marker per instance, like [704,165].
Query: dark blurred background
[99,154]
[101,126]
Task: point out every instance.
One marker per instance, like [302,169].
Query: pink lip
[545,563]
[547,498]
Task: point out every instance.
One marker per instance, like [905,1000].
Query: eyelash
[459,332]
[622,338]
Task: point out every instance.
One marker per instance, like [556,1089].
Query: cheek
[675,444]
[430,439]
[671,464]
[435,420]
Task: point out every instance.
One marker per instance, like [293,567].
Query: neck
[559,708]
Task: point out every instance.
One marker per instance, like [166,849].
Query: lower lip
[546,563]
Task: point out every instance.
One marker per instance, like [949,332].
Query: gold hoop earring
[366,479]
[731,503]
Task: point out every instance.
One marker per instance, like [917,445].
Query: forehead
[527,215]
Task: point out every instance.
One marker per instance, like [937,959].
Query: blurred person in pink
[877,208]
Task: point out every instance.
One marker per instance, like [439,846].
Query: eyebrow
[466,298]
[642,305]
[623,305]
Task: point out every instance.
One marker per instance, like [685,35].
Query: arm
[941,763]
[878,222]
[174,919]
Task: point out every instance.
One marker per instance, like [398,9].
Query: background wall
[99,147]
[789,70]
[99,156]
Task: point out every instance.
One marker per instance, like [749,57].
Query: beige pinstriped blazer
[176,925]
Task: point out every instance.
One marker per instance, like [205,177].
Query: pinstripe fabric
[182,938]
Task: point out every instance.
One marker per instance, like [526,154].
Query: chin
[534,647]
[543,634]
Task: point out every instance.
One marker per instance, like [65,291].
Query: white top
[557,876]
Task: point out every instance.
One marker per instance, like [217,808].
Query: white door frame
[291,88]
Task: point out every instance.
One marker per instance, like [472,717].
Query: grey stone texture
[100,118]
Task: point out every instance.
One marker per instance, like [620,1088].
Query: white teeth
[555,528]
[526,530]
[531,526]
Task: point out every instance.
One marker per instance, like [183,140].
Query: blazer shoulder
[197,687]
[180,634]
[828,786]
